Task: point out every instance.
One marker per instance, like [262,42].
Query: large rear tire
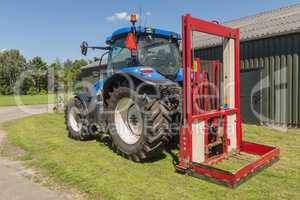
[139,127]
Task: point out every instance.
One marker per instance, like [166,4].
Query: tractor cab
[146,49]
[146,53]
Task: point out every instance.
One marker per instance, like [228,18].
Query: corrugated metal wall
[278,59]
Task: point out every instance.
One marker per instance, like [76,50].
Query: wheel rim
[75,119]
[128,121]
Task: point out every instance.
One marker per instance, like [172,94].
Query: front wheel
[138,127]
[76,121]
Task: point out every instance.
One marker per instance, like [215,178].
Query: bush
[26,84]
[32,91]
[43,92]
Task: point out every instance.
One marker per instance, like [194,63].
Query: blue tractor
[136,101]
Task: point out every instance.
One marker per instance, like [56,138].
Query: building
[270,52]
[91,72]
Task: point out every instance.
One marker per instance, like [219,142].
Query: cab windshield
[160,53]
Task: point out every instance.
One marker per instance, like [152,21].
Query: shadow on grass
[170,151]
[105,139]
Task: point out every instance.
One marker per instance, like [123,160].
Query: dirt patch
[7,150]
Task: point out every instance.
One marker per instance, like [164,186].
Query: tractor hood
[150,74]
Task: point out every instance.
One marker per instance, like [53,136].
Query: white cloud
[120,16]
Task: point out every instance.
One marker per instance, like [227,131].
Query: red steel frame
[266,153]
[204,90]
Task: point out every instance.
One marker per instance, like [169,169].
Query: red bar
[213,87]
[212,114]
[263,160]
[211,28]
[237,89]
[205,91]
[189,84]
[197,89]
[215,173]
[218,84]
[254,148]
[183,152]
[198,70]
[270,154]
[184,89]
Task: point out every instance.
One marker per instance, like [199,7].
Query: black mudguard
[150,81]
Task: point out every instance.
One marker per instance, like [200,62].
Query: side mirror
[84,48]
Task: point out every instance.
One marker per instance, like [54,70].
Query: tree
[72,69]
[77,64]
[72,72]
[37,64]
[27,84]
[56,68]
[39,73]
[36,72]
[12,63]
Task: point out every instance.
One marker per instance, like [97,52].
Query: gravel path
[15,180]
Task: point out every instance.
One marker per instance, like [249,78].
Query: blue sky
[54,29]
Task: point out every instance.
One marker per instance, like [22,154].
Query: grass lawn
[93,168]
[26,100]
[31,99]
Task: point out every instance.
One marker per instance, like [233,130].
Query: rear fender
[136,82]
